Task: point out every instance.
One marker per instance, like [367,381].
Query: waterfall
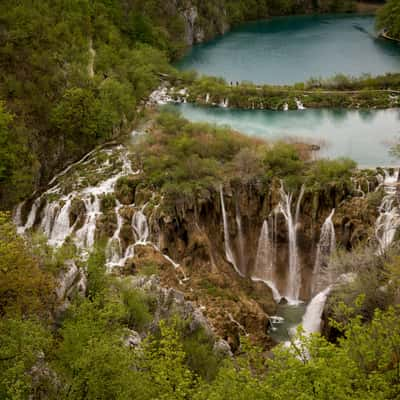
[264,270]
[240,239]
[293,286]
[61,228]
[225,103]
[388,220]
[207,98]
[387,223]
[17,215]
[85,237]
[326,245]
[55,216]
[264,266]
[299,104]
[114,246]
[49,215]
[228,250]
[30,222]
[313,316]
[140,227]
[286,107]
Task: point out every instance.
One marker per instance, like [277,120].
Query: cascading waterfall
[388,221]
[207,98]
[140,227]
[17,216]
[325,247]
[299,104]
[85,237]
[114,246]
[312,318]
[61,228]
[240,239]
[225,103]
[293,286]
[264,270]
[32,215]
[228,250]
[55,216]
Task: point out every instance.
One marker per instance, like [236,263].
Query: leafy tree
[389,18]
[91,358]
[23,344]
[164,363]
[24,288]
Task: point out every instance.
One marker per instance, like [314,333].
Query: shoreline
[367,8]
[387,37]
[361,8]
[280,99]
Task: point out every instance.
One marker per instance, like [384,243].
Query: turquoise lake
[293,49]
[364,136]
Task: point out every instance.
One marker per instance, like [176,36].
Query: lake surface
[293,49]
[292,317]
[364,136]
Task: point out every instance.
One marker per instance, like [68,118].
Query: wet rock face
[194,232]
[193,34]
[184,240]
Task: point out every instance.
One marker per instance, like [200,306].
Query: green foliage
[6,156]
[283,161]
[46,80]
[325,172]
[137,306]
[183,158]
[91,358]
[98,281]
[22,344]
[200,355]
[389,18]
[25,289]
[164,360]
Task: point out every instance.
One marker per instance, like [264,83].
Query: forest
[76,76]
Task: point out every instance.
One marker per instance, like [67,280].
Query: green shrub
[136,304]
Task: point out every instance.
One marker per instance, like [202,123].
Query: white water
[325,247]
[228,250]
[140,227]
[312,318]
[293,285]
[225,103]
[114,245]
[60,228]
[55,216]
[388,221]
[240,239]
[264,266]
[299,104]
[264,270]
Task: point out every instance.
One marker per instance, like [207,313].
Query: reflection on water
[293,49]
[364,136]
[291,317]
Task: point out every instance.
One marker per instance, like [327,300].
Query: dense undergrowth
[52,111]
[82,354]
[389,19]
[74,72]
[183,158]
